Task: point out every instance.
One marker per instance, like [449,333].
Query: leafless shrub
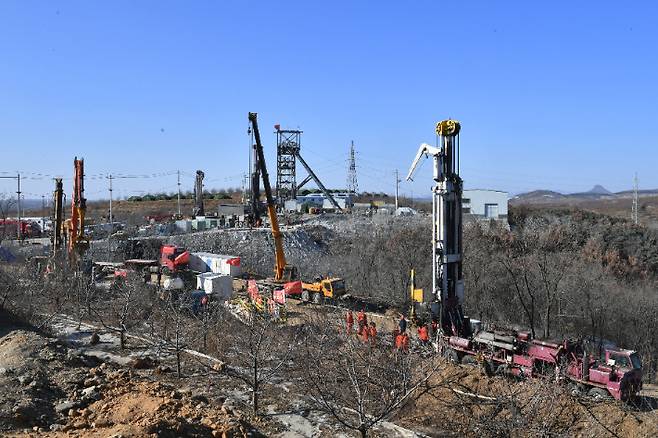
[358,384]
[260,352]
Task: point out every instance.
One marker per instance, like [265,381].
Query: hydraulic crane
[445,302]
[282,271]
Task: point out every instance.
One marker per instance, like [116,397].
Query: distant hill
[598,199]
[600,190]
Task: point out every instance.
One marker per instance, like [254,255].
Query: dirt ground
[522,408]
[48,389]
[66,387]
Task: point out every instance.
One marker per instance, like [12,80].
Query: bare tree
[260,352]
[126,306]
[359,384]
[7,203]
[173,325]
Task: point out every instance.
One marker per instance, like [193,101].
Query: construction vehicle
[77,241]
[283,272]
[445,302]
[323,288]
[616,373]
[173,259]
[198,195]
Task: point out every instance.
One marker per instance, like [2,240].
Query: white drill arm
[426,150]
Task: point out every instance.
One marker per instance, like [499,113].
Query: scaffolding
[288,144]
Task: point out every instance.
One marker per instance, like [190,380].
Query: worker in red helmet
[404,342]
[423,334]
[398,340]
[372,333]
[365,333]
[362,321]
[395,334]
[349,321]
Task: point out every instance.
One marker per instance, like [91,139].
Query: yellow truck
[323,288]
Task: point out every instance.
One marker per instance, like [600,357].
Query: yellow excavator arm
[282,272]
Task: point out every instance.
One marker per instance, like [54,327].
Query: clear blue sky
[557,95]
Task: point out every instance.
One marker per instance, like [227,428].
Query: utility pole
[111,218]
[635,212]
[43,213]
[178,174]
[18,207]
[397,190]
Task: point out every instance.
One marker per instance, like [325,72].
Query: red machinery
[173,258]
[617,373]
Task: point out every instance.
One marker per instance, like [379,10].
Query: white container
[215,263]
[172,283]
[221,286]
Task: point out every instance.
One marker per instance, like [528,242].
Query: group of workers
[367,332]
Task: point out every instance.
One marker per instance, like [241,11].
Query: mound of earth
[477,405]
[47,389]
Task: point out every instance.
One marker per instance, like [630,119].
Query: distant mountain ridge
[596,192]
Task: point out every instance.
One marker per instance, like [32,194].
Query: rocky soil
[48,389]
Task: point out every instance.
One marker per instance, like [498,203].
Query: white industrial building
[319,200]
[485,204]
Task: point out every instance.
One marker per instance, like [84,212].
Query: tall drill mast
[58,215]
[77,241]
[447,276]
[198,194]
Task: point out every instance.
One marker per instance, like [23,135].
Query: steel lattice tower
[288,144]
[634,211]
[352,184]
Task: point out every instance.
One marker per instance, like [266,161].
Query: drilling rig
[58,213]
[77,242]
[198,194]
[445,303]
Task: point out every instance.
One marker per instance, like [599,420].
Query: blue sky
[550,95]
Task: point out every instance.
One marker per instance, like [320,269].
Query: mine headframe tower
[288,144]
[447,251]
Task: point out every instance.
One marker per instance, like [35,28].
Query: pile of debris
[47,389]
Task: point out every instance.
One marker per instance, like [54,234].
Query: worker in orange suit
[372,333]
[364,335]
[398,340]
[362,321]
[423,334]
[349,320]
[405,342]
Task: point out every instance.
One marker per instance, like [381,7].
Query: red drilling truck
[615,373]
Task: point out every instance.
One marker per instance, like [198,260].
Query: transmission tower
[352,184]
[288,144]
[634,212]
